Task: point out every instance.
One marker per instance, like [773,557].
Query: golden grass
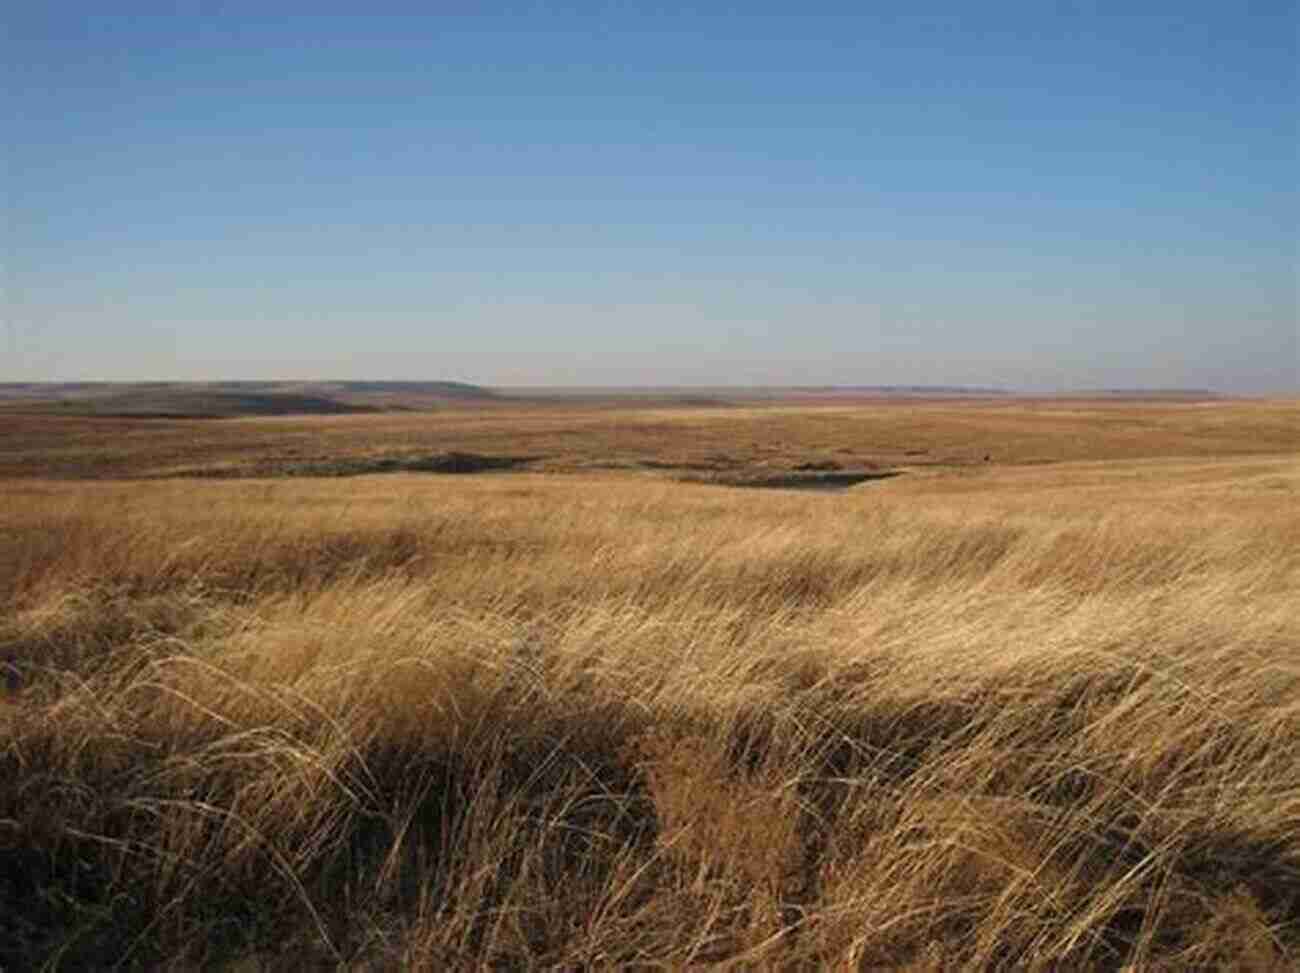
[1036,717]
[744,436]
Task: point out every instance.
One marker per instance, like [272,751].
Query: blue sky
[1033,195]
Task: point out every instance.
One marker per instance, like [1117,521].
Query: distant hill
[219,400]
[450,390]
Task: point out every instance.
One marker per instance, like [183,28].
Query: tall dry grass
[1034,718]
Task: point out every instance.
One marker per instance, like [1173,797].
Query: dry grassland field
[981,685]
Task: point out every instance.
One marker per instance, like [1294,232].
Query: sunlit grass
[1039,718]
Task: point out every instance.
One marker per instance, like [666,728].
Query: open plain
[984,684]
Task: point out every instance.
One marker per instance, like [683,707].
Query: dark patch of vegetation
[450,463]
[218,405]
[807,477]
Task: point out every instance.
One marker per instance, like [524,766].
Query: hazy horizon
[587,195]
[969,391]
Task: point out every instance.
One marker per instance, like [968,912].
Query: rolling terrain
[547,684]
[225,400]
[662,437]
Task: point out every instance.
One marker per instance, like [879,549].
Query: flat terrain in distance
[515,684]
[665,436]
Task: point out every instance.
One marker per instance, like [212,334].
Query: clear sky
[1035,195]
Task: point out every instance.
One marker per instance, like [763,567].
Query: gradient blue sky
[1034,195]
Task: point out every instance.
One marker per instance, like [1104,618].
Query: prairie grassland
[1033,717]
[560,436]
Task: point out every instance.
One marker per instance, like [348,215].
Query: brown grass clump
[1038,718]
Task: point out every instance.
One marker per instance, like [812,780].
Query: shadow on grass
[447,463]
[810,480]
